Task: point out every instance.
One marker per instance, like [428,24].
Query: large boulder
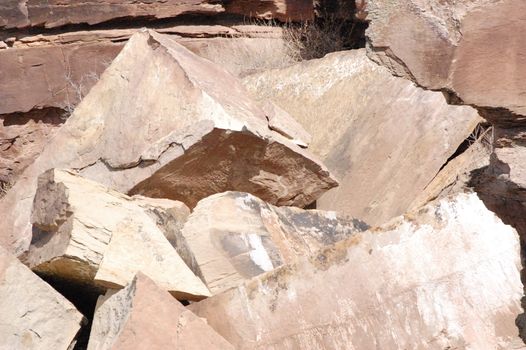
[87,234]
[446,276]
[235,236]
[33,314]
[144,316]
[164,122]
[382,136]
[460,47]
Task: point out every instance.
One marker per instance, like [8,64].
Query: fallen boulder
[32,312]
[405,285]
[462,47]
[163,122]
[89,235]
[235,236]
[384,138]
[144,316]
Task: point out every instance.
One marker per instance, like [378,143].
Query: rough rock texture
[384,138]
[57,70]
[56,13]
[88,234]
[22,138]
[144,316]
[203,135]
[283,10]
[457,46]
[407,285]
[280,121]
[31,311]
[235,236]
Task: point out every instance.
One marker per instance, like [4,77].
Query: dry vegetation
[298,42]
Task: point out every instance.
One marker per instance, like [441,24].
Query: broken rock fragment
[32,314]
[164,122]
[144,316]
[406,285]
[235,236]
[88,234]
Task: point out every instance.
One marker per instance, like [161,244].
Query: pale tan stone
[406,285]
[144,316]
[163,122]
[384,138]
[88,234]
[33,314]
[235,236]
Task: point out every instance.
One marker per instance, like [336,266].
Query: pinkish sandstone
[144,316]
[406,285]
[203,135]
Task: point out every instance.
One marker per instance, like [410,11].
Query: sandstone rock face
[283,10]
[22,138]
[88,234]
[235,236]
[203,135]
[384,138]
[57,70]
[406,285]
[457,46]
[52,14]
[51,76]
[144,316]
[32,311]
[19,14]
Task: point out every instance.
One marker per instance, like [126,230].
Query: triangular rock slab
[144,316]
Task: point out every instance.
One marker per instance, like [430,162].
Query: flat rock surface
[384,138]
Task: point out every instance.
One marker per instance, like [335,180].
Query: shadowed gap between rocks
[509,211]
[84,298]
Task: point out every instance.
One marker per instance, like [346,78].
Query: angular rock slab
[164,122]
[90,235]
[144,316]
[384,138]
[235,236]
[446,276]
[33,314]
[460,47]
